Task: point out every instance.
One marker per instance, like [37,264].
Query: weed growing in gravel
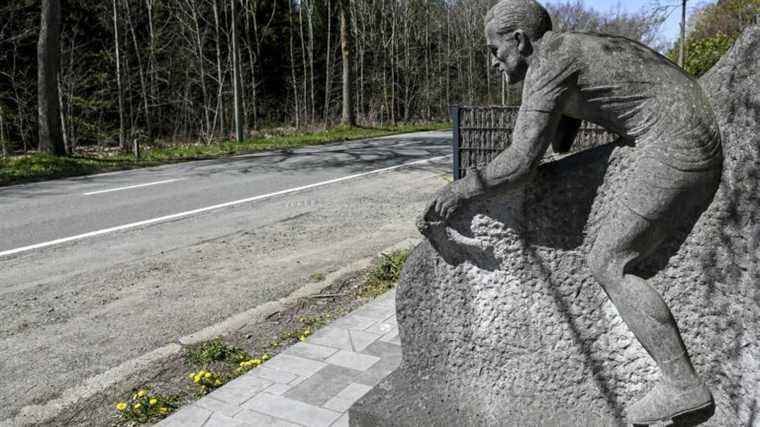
[207,381]
[145,407]
[247,365]
[310,324]
[216,350]
[385,274]
[317,276]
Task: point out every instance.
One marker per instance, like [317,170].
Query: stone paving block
[217,406]
[219,420]
[296,365]
[351,360]
[342,421]
[311,351]
[384,350]
[292,410]
[298,380]
[259,420]
[274,375]
[240,389]
[354,322]
[383,327]
[361,339]
[390,359]
[378,312]
[332,337]
[390,336]
[278,389]
[323,385]
[343,400]
[189,416]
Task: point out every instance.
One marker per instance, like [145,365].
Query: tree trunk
[682,48]
[119,89]
[3,143]
[347,117]
[219,75]
[293,64]
[236,77]
[49,61]
[328,60]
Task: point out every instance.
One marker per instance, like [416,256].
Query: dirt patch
[170,378]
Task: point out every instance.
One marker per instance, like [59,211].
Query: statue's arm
[534,132]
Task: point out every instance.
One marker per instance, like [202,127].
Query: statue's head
[512,28]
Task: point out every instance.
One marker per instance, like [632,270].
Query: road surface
[99,270]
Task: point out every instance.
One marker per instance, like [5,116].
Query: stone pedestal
[521,334]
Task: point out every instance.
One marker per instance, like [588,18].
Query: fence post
[455,111]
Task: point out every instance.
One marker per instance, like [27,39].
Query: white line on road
[208,208]
[134,186]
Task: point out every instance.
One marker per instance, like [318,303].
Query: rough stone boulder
[521,334]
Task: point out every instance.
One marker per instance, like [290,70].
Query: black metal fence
[482,132]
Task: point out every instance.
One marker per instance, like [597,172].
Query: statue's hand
[450,199]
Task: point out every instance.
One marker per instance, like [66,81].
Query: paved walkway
[312,383]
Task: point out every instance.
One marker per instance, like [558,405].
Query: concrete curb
[40,414]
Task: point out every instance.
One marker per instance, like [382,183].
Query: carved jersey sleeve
[549,76]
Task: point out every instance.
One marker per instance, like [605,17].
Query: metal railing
[482,132]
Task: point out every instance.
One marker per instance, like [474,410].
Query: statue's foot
[666,402]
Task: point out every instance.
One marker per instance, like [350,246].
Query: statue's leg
[624,238]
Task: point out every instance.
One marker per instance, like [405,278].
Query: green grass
[384,274]
[39,167]
[216,350]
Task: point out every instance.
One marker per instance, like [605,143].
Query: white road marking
[134,186]
[209,208]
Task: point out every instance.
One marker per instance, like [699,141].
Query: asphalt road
[99,270]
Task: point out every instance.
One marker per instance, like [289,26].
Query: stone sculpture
[500,315]
[637,93]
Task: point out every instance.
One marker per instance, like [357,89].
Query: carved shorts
[662,192]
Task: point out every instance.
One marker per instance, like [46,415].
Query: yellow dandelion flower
[192,375]
[121,406]
[141,393]
[217,382]
[152,401]
[163,410]
[197,378]
[207,375]
[266,357]
[137,406]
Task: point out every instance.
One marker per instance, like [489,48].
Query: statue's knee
[602,267]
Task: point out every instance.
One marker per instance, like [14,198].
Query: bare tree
[119,86]
[347,118]
[49,62]
[236,77]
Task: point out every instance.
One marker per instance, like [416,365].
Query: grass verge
[40,167]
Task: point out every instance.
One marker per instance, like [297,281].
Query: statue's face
[508,52]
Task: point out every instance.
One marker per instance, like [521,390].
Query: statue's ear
[523,42]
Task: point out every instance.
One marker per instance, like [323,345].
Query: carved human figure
[642,96]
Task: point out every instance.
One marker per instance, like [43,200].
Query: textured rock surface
[525,336]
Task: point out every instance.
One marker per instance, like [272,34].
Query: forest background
[164,71]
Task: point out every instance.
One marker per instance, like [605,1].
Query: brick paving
[312,383]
